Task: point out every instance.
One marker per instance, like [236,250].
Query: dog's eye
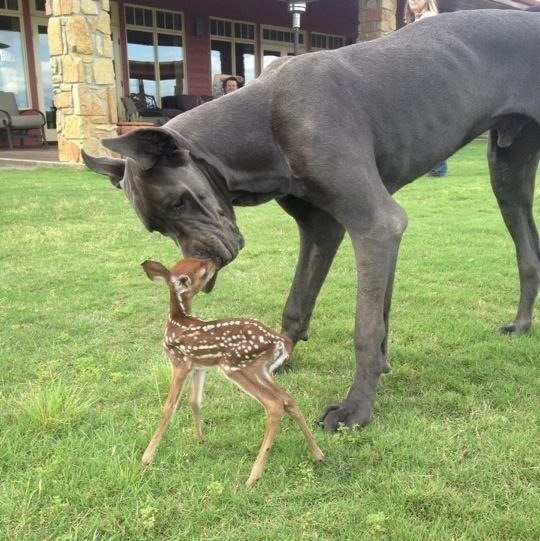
[179,205]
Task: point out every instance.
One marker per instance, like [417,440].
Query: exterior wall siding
[325,16]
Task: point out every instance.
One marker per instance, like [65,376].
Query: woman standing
[418,9]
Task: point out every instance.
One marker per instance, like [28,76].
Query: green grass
[452,452]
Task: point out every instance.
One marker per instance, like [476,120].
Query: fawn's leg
[273,405]
[195,399]
[180,370]
[291,407]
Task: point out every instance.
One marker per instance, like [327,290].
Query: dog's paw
[515,329]
[344,414]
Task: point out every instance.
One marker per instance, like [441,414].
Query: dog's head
[173,193]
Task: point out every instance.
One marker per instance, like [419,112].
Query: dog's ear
[112,167]
[148,145]
[156,271]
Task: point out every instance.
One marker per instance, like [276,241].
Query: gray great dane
[331,136]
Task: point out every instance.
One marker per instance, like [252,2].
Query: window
[278,42]
[12,59]
[45,68]
[9,4]
[281,36]
[244,31]
[155,52]
[323,41]
[232,48]
[139,16]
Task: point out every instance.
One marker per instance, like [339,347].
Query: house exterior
[74,59]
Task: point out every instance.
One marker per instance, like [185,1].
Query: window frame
[326,36]
[155,31]
[18,14]
[233,40]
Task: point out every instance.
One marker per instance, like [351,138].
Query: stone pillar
[376,18]
[82,75]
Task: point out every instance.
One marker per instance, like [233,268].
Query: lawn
[452,451]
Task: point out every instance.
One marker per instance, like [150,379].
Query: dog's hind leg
[513,166]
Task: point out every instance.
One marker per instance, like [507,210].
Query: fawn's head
[185,278]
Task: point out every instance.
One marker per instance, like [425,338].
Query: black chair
[132,113]
[146,106]
[181,102]
[17,123]
[187,101]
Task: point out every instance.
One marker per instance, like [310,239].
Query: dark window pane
[244,31]
[45,67]
[168,20]
[245,61]
[160,19]
[148,19]
[130,15]
[221,56]
[12,61]
[142,73]
[171,65]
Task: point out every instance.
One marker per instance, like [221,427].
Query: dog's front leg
[376,253]
[320,237]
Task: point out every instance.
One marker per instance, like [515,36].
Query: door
[271,52]
[43,75]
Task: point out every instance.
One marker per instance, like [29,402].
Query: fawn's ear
[155,271]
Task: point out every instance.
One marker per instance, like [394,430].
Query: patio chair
[187,101]
[17,123]
[133,113]
[180,102]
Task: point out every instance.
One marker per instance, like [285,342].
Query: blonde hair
[408,14]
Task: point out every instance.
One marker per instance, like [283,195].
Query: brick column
[82,75]
[376,18]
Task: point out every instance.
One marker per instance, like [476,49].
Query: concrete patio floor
[32,157]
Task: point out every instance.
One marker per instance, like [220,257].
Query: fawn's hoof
[147,459]
[251,480]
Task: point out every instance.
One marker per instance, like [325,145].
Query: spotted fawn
[244,350]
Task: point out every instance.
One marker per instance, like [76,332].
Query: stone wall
[82,75]
[376,18]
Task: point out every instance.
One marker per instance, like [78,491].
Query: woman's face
[417,6]
[231,86]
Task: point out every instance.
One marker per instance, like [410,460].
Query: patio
[31,157]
